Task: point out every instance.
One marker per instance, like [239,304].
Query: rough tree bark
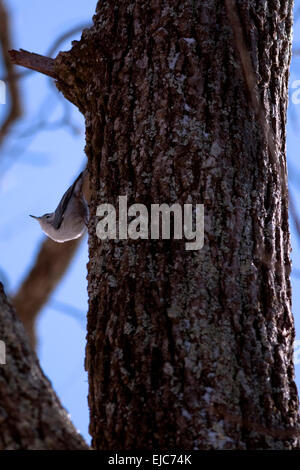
[189,349]
[31,416]
[186,102]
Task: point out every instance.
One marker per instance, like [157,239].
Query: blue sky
[293,140]
[36,169]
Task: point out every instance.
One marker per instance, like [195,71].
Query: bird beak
[33,216]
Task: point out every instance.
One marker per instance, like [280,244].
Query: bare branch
[15,110]
[294,214]
[63,37]
[33,61]
[70,310]
[50,266]
[53,48]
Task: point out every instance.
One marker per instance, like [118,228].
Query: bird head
[45,220]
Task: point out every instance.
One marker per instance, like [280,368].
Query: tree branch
[50,266]
[31,415]
[15,106]
[33,61]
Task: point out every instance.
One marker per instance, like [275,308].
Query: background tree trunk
[31,416]
[189,349]
[49,267]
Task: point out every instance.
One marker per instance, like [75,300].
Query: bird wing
[60,210]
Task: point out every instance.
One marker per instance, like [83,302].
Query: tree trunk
[185,102]
[31,416]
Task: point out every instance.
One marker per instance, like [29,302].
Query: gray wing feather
[60,210]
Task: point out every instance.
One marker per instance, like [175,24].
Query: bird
[70,218]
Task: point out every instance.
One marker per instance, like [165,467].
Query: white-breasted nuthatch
[69,221]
